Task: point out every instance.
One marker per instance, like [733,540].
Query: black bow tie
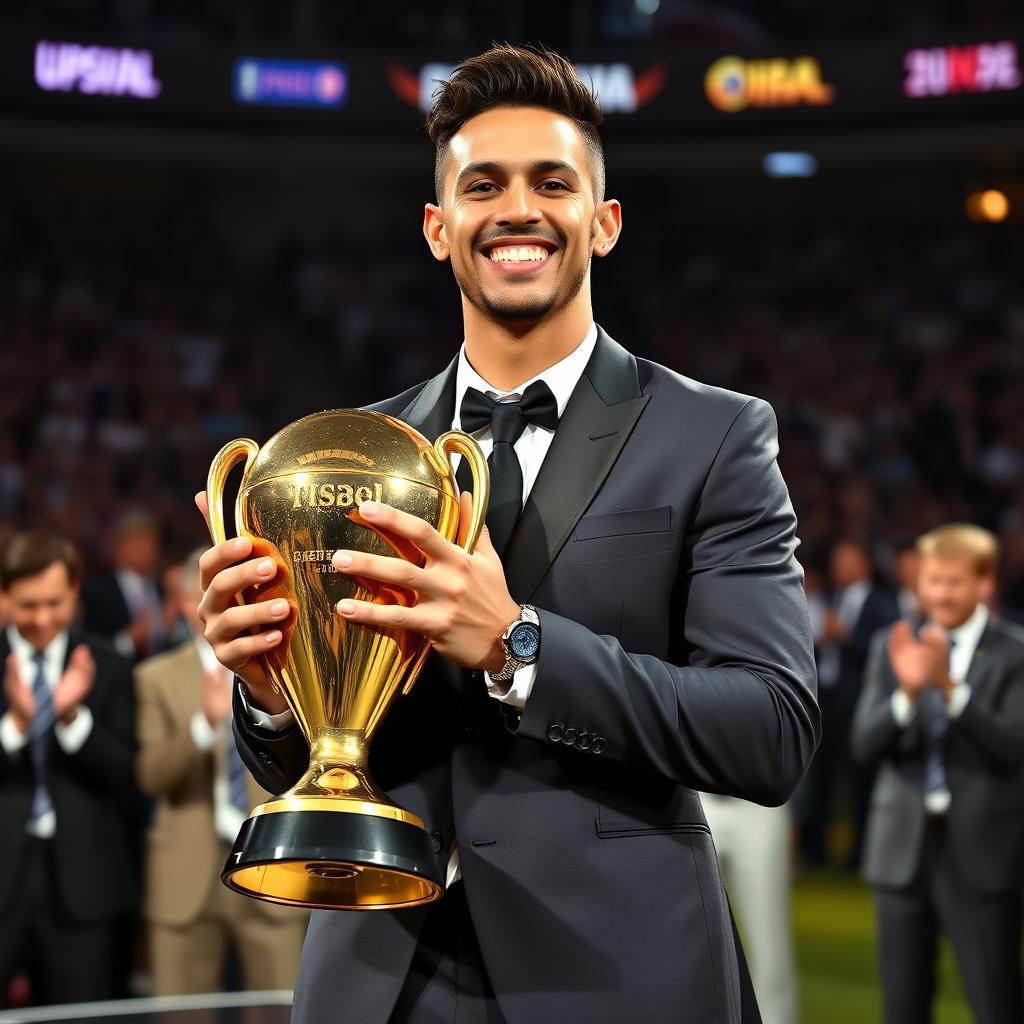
[508,419]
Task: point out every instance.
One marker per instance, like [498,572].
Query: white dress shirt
[965,639]
[71,737]
[530,449]
[227,818]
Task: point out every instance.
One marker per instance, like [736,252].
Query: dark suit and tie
[945,841]
[656,544]
[65,866]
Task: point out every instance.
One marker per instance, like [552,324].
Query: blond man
[942,714]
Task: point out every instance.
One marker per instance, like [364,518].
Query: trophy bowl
[334,840]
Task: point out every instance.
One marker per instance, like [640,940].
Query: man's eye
[482,186]
[554,186]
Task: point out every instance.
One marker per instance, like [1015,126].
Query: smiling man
[631,628]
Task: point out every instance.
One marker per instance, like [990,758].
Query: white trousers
[753,850]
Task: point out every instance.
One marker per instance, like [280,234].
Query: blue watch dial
[524,641]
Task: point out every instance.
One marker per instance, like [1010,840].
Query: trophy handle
[223,462]
[455,441]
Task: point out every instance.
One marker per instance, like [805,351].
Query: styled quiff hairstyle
[514,76]
[962,540]
[29,554]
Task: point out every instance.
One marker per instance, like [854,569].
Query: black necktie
[507,419]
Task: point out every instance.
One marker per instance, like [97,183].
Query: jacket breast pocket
[628,534]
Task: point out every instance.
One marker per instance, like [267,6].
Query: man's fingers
[220,557]
[225,585]
[203,504]
[411,527]
[900,635]
[239,619]
[395,616]
[238,652]
[384,568]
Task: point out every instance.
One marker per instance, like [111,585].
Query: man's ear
[607,226]
[435,232]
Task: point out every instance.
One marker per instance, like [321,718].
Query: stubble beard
[509,310]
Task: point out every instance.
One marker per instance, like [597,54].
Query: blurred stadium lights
[989,206]
[790,165]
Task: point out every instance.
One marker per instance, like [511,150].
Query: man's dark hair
[29,554]
[514,76]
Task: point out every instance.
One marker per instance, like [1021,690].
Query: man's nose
[519,206]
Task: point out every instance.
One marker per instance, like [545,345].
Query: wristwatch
[521,642]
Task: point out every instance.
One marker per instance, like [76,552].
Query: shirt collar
[562,377]
[969,633]
[55,652]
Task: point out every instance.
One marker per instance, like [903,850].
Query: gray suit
[963,872]
[657,545]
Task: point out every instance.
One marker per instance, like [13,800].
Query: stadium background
[209,225]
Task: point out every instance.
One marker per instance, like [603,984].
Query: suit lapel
[987,644]
[597,422]
[431,412]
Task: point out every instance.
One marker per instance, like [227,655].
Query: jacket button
[598,744]
[436,841]
[555,732]
[583,740]
[569,738]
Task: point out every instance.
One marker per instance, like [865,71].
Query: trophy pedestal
[334,860]
[334,841]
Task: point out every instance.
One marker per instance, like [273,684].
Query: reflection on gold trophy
[334,840]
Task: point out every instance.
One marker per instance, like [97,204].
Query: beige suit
[191,915]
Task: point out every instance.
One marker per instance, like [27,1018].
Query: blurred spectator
[188,762]
[908,563]
[942,714]
[66,749]
[125,606]
[754,853]
[858,607]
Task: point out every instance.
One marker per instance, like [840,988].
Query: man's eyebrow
[491,168]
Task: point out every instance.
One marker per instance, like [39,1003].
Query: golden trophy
[334,840]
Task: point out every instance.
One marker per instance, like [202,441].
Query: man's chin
[518,308]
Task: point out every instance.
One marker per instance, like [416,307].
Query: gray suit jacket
[657,545]
[984,759]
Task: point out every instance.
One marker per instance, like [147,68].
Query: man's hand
[239,634]
[216,698]
[462,601]
[20,701]
[912,662]
[936,641]
[75,685]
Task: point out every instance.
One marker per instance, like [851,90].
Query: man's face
[139,551]
[849,565]
[949,589]
[42,606]
[518,217]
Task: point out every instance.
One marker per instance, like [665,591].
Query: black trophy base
[334,861]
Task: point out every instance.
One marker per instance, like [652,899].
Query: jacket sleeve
[741,717]
[167,754]
[276,759]
[876,733]
[999,729]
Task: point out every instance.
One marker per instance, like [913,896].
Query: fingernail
[342,559]
[273,636]
[279,608]
[240,544]
[369,508]
[265,567]
[346,607]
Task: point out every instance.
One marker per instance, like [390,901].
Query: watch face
[524,641]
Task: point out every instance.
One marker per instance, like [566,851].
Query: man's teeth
[518,254]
